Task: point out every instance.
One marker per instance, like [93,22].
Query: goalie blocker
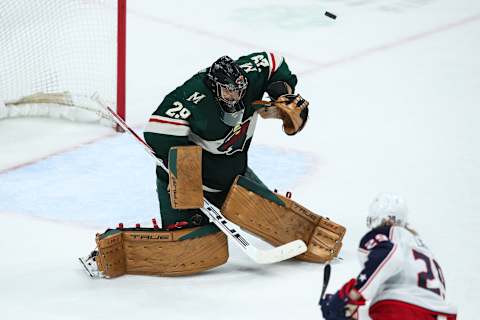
[279,220]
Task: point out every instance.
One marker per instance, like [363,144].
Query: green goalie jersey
[191,115]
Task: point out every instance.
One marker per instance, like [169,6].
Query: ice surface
[394,93]
[120,170]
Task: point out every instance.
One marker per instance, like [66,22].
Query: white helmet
[387,207]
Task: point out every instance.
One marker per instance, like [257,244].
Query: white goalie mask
[387,207]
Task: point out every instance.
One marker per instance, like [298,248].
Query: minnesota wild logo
[236,139]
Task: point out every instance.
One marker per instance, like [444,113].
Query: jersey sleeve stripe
[168,120]
[379,268]
[167,128]
[272,61]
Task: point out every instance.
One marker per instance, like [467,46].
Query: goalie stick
[280,253]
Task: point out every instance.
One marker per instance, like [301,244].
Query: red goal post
[121,56]
[61,57]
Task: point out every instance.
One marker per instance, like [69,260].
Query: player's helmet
[229,85]
[387,208]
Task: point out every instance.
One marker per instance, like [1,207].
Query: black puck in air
[330,15]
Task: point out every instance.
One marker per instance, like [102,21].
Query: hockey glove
[292,109]
[340,306]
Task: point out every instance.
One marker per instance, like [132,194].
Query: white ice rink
[394,90]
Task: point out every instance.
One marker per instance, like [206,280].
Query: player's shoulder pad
[376,236]
[182,102]
[264,62]
[195,92]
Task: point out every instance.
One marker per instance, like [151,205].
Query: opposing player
[401,278]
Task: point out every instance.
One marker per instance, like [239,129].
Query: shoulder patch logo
[196,97]
[236,139]
[248,67]
[260,61]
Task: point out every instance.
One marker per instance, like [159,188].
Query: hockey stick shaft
[277,254]
[326,279]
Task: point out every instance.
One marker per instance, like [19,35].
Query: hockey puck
[330,15]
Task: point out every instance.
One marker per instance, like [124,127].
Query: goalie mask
[229,85]
[387,208]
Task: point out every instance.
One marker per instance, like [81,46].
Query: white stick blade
[280,253]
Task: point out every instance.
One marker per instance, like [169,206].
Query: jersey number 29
[428,275]
[178,111]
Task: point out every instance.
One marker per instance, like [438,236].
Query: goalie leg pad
[185,177]
[279,220]
[165,253]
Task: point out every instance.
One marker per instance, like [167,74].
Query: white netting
[56,47]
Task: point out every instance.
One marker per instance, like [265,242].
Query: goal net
[62,58]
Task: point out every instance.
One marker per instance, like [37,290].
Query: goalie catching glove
[292,109]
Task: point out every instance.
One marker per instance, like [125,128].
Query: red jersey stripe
[169,122]
[274,66]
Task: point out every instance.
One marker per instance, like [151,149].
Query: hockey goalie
[202,131]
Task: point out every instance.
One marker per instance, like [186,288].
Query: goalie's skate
[90,265]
